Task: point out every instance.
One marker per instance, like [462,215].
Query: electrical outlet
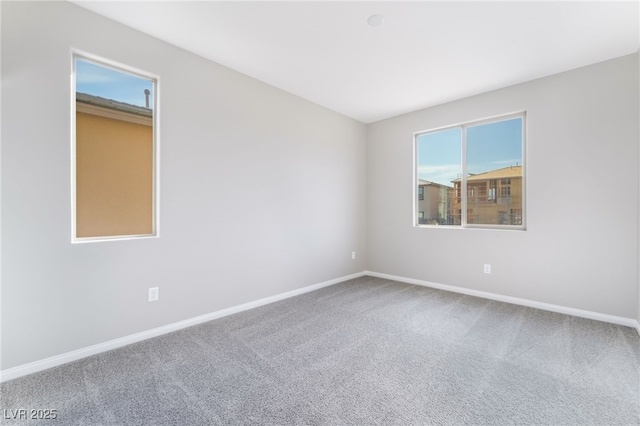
[353,255]
[487,268]
[154,294]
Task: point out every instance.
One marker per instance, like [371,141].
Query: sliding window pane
[494,173]
[439,167]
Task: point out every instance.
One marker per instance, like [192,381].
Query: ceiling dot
[375,20]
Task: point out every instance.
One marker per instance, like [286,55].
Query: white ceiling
[425,53]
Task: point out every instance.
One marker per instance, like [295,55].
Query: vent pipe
[146,95]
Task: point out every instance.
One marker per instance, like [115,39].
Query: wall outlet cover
[154,294]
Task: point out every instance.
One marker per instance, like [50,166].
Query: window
[516,215]
[421,193]
[115,148]
[492,194]
[502,217]
[492,189]
[479,169]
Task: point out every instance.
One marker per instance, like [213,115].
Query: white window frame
[463,184]
[127,69]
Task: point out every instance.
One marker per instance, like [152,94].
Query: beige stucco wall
[114,177]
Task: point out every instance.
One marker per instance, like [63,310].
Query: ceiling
[424,54]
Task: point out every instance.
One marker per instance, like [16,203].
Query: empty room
[320,213]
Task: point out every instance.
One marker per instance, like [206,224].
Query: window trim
[155,201]
[463,164]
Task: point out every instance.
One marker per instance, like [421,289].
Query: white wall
[580,249]
[261,192]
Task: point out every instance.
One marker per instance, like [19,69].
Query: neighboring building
[493,197]
[433,203]
[114,168]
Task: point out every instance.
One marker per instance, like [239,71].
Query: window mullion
[463,189]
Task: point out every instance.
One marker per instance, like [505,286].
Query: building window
[115,146]
[479,167]
[516,215]
[502,217]
[493,184]
[492,194]
[421,193]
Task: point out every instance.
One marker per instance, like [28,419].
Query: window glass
[494,152]
[114,150]
[438,165]
[486,189]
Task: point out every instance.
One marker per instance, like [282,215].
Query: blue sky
[111,84]
[489,146]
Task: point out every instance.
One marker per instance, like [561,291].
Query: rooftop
[422,182]
[112,104]
[506,172]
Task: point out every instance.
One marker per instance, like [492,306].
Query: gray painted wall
[580,249]
[261,192]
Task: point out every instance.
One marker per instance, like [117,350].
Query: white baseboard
[629,322]
[54,361]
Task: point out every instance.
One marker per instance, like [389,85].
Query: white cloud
[87,78]
[443,173]
[511,162]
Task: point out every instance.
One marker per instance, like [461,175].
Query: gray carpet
[364,352]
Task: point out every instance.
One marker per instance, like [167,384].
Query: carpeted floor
[364,352]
